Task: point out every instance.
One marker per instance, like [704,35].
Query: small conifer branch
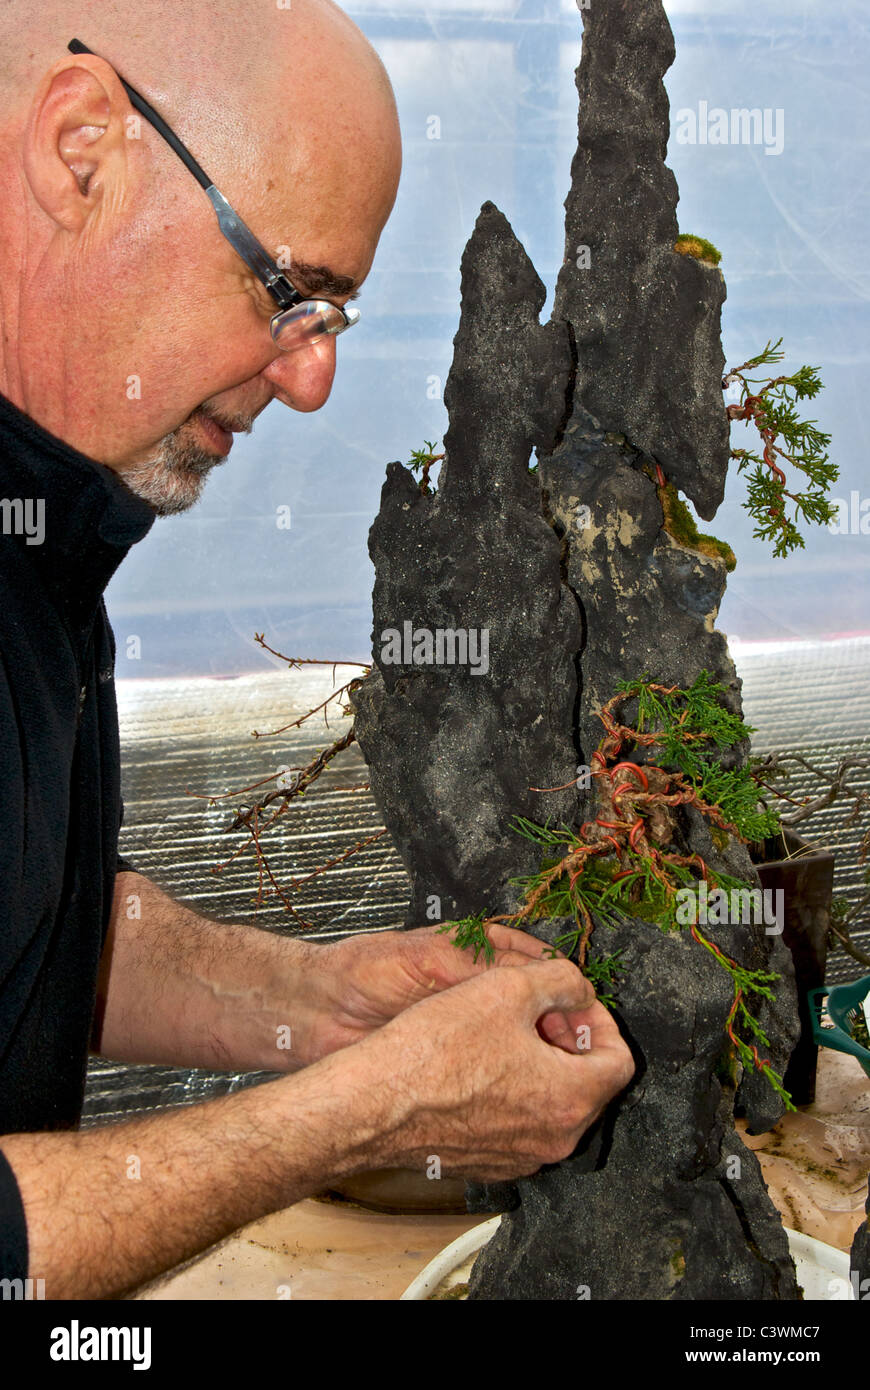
[425,459]
[771,407]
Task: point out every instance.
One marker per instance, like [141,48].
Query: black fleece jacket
[66,522]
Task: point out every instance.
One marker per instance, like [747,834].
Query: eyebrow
[320,279]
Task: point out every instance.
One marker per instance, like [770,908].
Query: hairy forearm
[177,988]
[112,1207]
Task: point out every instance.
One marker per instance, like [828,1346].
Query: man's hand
[471,1080]
[464,1075]
[179,989]
[365,981]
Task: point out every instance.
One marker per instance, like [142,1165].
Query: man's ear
[75,139]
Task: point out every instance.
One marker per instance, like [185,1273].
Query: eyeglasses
[300,322]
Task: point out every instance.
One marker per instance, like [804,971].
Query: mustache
[242,424]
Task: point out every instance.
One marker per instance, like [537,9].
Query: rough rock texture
[621,562]
[649,605]
[579,585]
[452,752]
[666,1164]
[662,1199]
[645,318]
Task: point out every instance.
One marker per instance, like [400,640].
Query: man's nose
[304,378]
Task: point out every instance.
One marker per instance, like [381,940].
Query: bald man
[116,268]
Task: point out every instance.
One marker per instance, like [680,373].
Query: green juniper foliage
[608,900]
[755,982]
[592,889]
[603,971]
[421,460]
[692,728]
[771,404]
[471,936]
[698,711]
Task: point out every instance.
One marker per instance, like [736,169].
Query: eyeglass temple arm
[156,120]
[252,251]
[237,234]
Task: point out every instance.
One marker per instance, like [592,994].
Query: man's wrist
[358,1107]
[300,1000]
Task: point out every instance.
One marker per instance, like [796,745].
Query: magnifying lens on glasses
[308,322]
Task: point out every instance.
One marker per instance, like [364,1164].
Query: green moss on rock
[679,523]
[698,246]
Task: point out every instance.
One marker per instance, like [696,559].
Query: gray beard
[174,481]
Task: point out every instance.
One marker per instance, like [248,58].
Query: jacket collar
[90,519]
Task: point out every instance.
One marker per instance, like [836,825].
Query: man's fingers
[555,1029]
[561,1013]
[511,939]
[581,1031]
[604,1067]
[515,958]
[611,1066]
[552,986]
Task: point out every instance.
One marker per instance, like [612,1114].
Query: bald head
[254,81]
[291,114]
